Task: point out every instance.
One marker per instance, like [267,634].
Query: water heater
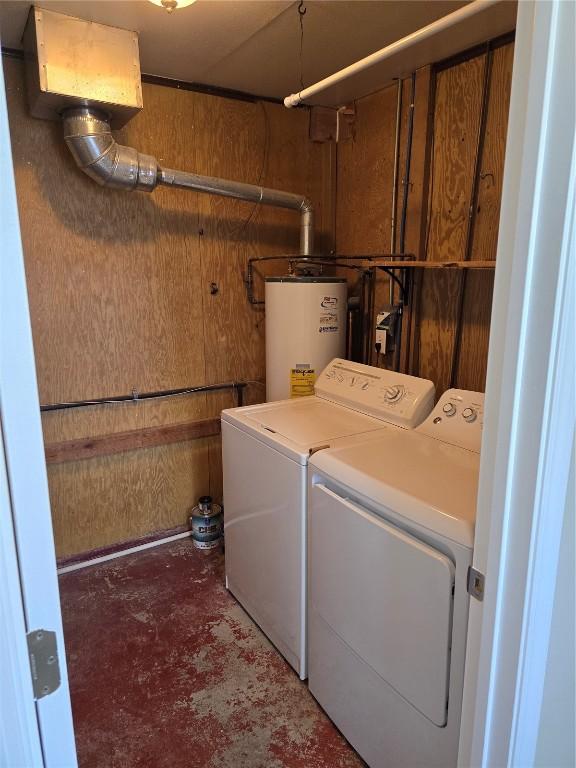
[305,330]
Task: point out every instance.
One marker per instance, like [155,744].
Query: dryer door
[387,595]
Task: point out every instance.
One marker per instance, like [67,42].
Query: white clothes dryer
[265,452]
[391,531]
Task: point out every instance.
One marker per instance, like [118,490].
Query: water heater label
[329,302]
[328,320]
[302,382]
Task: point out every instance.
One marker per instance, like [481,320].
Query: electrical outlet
[381,336]
[386,321]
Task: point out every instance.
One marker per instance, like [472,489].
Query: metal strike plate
[43,653]
[476,581]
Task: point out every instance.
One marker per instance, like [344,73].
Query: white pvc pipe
[441,25]
[123,552]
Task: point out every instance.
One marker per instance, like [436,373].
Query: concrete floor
[167,670]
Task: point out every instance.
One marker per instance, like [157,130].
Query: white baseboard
[122,553]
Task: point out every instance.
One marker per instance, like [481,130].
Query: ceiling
[247,45]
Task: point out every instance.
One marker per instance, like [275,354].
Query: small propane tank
[207,525]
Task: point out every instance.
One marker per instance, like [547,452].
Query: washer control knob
[469,414]
[392,394]
[449,409]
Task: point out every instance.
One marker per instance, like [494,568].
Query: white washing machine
[265,451]
[391,531]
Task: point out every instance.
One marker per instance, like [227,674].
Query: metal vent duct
[65,59]
[89,138]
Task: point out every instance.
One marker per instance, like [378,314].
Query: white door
[530,401]
[35,731]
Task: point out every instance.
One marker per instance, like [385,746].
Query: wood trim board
[131,440]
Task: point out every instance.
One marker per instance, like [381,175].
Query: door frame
[20,742]
[529,418]
[529,354]
[37,732]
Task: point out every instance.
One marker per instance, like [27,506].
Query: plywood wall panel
[120,294]
[235,231]
[437,326]
[420,159]
[233,337]
[446,124]
[457,108]
[146,491]
[475,330]
[93,256]
[493,154]
[416,213]
[458,101]
[365,172]
[365,184]
[365,181]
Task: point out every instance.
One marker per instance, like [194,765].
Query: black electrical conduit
[135,397]
[397,280]
[402,238]
[369,286]
[328,261]
[406,189]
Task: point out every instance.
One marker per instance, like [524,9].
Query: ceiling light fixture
[171,5]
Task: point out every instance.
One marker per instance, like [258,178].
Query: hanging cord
[301,13]
[263,167]
[429,206]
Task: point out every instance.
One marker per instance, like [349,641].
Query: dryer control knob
[391,394]
[449,409]
[469,414]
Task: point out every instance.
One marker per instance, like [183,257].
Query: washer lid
[431,483]
[308,421]
[300,425]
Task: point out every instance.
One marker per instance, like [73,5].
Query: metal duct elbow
[89,138]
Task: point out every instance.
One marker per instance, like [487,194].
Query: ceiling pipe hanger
[420,36]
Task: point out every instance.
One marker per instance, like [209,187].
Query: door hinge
[476,581]
[44,666]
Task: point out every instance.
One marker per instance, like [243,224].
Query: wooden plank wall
[364,184]
[120,298]
[446,120]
